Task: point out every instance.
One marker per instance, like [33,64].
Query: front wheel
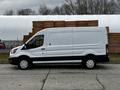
[24,64]
[89,64]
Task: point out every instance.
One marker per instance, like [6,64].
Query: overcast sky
[33,4]
[14,27]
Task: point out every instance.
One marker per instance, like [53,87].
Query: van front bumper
[13,60]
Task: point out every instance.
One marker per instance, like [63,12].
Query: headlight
[14,51]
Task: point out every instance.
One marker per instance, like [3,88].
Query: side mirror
[24,47]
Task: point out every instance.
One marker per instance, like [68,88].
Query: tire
[89,63]
[24,64]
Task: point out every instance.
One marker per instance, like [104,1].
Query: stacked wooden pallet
[39,25]
[114,42]
[114,38]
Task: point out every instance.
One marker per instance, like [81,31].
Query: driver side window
[37,41]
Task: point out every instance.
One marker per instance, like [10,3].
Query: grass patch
[4,57]
[114,58]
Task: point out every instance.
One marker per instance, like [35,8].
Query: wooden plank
[59,23]
[25,38]
[114,49]
[81,23]
[48,24]
[31,34]
[87,23]
[70,24]
[38,24]
[35,30]
[93,23]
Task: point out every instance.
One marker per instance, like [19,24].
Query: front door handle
[42,48]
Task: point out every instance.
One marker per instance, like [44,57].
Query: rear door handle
[42,48]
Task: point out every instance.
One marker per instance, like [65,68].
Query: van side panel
[89,42]
[59,43]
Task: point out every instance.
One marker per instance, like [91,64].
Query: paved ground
[104,77]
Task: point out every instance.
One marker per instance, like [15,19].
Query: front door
[35,47]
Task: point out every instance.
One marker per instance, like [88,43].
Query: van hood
[18,47]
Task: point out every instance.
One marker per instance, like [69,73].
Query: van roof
[56,29]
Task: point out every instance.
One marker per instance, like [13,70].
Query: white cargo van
[85,45]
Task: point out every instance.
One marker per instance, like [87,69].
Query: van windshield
[35,42]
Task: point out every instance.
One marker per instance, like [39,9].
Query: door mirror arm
[24,47]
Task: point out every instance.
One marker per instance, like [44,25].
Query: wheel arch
[90,55]
[24,57]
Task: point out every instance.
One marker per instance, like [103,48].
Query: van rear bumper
[102,58]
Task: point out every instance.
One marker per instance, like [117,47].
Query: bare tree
[9,12]
[75,7]
[71,6]
[56,11]
[111,7]
[44,10]
[81,6]
[65,10]
[89,7]
[117,6]
[27,11]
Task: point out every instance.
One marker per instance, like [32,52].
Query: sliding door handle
[42,48]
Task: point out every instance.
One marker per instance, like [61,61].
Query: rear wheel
[24,64]
[89,63]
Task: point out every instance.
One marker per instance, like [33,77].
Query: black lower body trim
[13,61]
[98,58]
[102,58]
